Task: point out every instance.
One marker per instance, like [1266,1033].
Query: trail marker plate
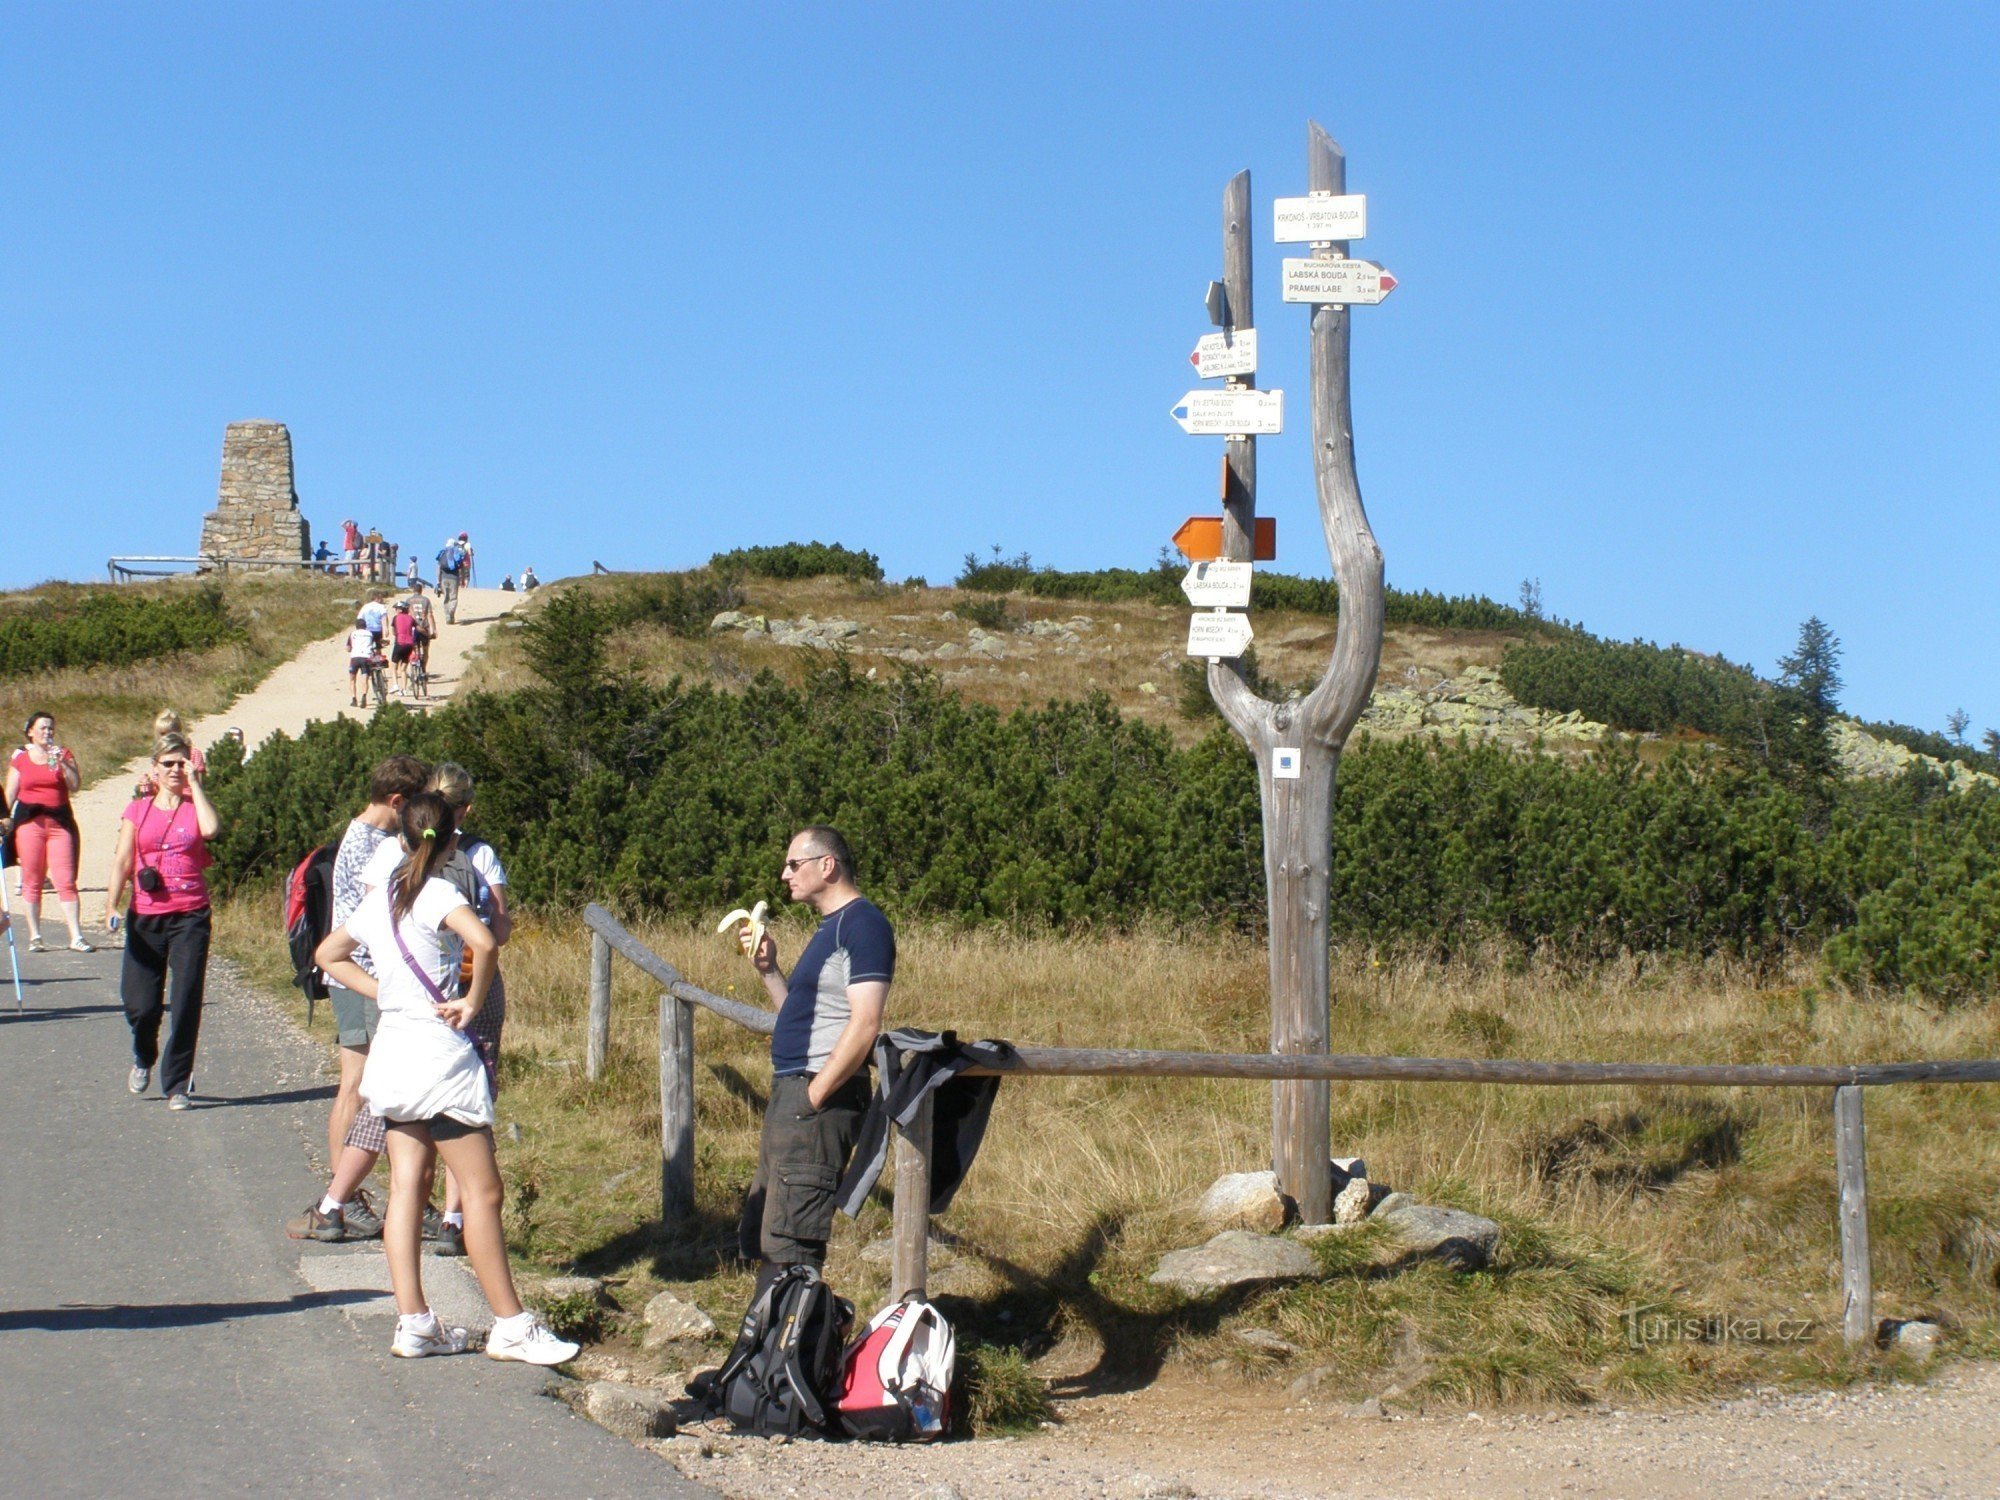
[1218,584]
[1232,353]
[1350,281]
[1200,538]
[1221,634]
[1228,412]
[1284,764]
[1319,218]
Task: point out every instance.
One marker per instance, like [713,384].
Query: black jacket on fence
[909,1065]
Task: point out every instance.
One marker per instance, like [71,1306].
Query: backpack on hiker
[780,1376]
[452,558]
[308,919]
[895,1384]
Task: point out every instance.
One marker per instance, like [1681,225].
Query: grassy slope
[106,714]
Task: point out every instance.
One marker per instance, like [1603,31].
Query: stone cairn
[257,513]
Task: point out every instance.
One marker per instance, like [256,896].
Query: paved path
[312,685]
[158,1333]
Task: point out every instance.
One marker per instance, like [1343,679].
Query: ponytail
[429,825]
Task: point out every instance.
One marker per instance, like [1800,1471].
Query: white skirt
[419,1068]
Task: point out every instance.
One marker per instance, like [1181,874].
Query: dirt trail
[311,686]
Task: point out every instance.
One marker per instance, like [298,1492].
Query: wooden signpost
[1297,743]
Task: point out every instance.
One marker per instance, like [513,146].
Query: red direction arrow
[1200,539]
[1388,283]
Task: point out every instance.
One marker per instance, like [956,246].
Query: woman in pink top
[165,837]
[40,778]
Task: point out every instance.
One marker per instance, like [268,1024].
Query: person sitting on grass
[424,1077]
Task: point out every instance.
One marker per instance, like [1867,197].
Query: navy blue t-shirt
[852,945]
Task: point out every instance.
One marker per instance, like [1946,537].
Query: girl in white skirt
[424,1077]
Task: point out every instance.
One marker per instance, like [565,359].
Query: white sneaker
[413,1341]
[139,1077]
[534,1345]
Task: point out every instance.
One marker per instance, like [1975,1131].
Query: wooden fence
[911,1233]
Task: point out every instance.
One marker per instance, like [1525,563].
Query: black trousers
[156,947]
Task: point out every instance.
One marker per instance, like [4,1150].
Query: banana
[753,919]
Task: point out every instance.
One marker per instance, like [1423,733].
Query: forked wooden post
[909,1269]
[597,1027]
[1850,1154]
[676,1108]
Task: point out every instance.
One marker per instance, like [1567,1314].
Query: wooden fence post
[909,1269]
[597,1028]
[1850,1148]
[676,1109]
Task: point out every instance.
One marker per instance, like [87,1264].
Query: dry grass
[1129,651]
[1710,1202]
[105,714]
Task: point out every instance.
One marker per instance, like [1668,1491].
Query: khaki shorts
[355,1016]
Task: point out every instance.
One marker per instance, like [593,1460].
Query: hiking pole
[13,954]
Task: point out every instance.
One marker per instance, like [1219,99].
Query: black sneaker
[445,1237]
[314,1225]
[361,1219]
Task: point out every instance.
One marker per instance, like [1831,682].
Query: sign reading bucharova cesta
[1231,353]
[1322,217]
[1344,281]
[1218,634]
[1218,584]
[1229,411]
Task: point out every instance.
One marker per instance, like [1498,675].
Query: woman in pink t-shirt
[41,776]
[164,838]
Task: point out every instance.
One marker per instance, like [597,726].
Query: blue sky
[1697,317]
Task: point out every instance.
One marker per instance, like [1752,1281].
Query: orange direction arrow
[1200,539]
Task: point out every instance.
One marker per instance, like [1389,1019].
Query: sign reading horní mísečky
[1321,218]
[1233,410]
[1221,634]
[1231,353]
[1218,584]
[1336,281]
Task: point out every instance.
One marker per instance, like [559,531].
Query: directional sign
[1219,634]
[1322,217]
[1232,353]
[1227,412]
[1336,281]
[1220,584]
[1200,539]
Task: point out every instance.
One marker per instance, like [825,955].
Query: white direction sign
[1230,411]
[1233,353]
[1221,584]
[1336,281]
[1322,217]
[1219,634]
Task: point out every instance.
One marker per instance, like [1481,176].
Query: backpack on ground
[308,919]
[780,1376]
[895,1384]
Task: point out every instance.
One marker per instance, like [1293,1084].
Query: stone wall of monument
[257,514]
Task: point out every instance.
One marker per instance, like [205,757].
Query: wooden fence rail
[912,1163]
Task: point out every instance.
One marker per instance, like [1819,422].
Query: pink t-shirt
[405,628]
[42,785]
[171,843]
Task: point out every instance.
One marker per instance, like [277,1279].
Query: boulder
[1350,1204]
[669,1320]
[729,619]
[1345,1169]
[1266,1342]
[630,1411]
[1235,1257]
[1428,1233]
[1394,1200]
[1245,1200]
[561,1288]
[1916,1337]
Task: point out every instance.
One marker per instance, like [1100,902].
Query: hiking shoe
[78,945]
[361,1218]
[36,945]
[534,1345]
[138,1078]
[415,1342]
[445,1237]
[314,1225]
[183,1100]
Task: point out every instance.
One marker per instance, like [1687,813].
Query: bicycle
[378,680]
[414,674]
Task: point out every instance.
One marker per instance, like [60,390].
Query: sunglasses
[173,765]
[793,864]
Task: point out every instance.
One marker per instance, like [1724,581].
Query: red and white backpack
[895,1383]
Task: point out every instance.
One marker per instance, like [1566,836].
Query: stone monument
[257,513]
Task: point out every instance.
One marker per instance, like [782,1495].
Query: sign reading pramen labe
[1347,281]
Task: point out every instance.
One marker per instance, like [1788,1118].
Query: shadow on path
[283,1096]
[83,1316]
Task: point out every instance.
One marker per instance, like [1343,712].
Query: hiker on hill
[529,582]
[343,1211]
[376,615]
[475,871]
[404,628]
[350,547]
[829,1013]
[425,620]
[362,644]
[164,838]
[454,562]
[425,1077]
[42,776]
